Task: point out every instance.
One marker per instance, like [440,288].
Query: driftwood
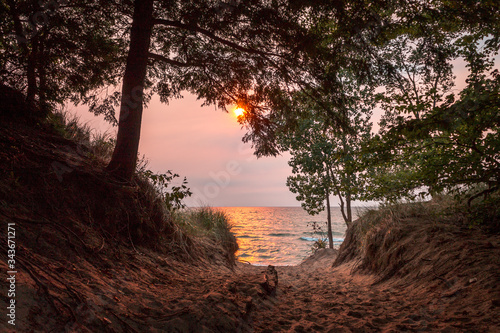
[270,283]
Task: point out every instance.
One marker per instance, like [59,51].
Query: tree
[124,159]
[326,161]
[53,51]
[432,139]
[418,77]
[253,54]
[465,135]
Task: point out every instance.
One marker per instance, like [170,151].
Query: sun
[239,112]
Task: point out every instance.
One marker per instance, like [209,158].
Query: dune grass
[95,145]
[378,230]
[208,222]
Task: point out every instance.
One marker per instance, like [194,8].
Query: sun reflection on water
[277,235]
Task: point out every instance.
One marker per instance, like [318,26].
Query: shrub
[171,195]
[321,242]
[484,212]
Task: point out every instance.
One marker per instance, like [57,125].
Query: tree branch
[173,62]
[485,192]
[331,175]
[211,35]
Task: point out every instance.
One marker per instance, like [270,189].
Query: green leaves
[172,195]
[54,51]
[324,160]
[432,138]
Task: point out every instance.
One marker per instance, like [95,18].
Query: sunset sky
[204,144]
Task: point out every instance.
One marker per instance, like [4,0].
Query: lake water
[279,235]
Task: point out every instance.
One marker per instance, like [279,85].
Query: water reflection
[278,235]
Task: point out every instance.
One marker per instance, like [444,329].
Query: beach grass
[97,146]
[208,222]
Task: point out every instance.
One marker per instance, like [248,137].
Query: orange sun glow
[239,112]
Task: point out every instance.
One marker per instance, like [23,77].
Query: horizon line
[368,206]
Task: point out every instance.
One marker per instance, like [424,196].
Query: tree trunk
[18,27]
[32,90]
[29,56]
[348,208]
[124,159]
[348,200]
[329,217]
[339,194]
[342,209]
[43,87]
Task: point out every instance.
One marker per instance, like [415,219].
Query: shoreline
[305,258]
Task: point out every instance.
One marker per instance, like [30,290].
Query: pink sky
[204,144]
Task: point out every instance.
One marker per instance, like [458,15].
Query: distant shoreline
[374,207]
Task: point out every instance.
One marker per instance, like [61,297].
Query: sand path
[313,297]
